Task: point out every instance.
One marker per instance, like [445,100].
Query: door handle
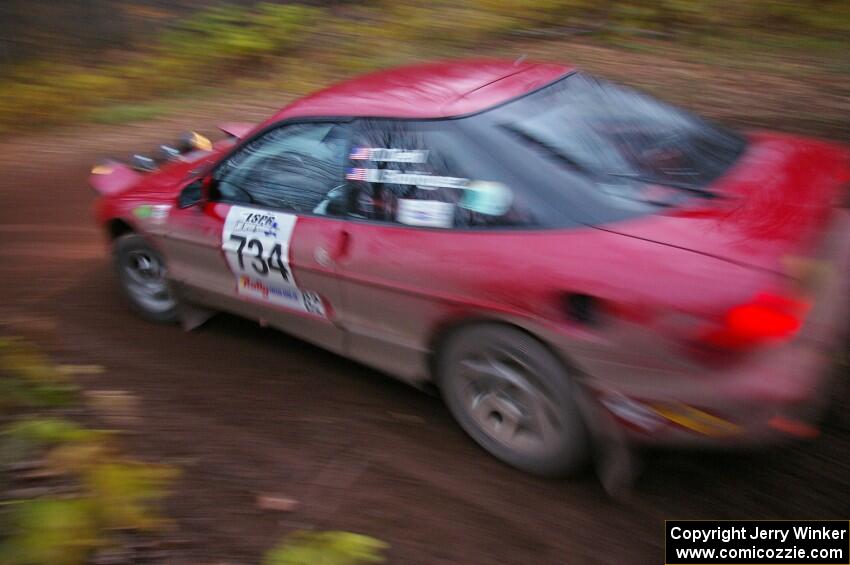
[337,251]
[343,245]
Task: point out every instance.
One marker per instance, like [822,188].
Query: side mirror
[209,188]
[192,194]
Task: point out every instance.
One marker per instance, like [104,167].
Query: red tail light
[768,317]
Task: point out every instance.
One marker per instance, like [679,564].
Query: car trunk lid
[775,202]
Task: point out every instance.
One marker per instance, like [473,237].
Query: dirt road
[246,411]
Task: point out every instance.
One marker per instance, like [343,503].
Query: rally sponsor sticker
[386,154]
[154,213]
[425,213]
[422,180]
[256,245]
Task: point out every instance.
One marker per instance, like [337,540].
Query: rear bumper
[775,396]
[776,400]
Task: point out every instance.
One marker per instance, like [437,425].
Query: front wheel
[142,274]
[514,398]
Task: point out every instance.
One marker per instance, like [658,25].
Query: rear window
[629,146]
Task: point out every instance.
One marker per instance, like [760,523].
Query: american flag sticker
[360,154]
[357,174]
[390,155]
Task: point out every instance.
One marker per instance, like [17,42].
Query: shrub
[27,379]
[326,548]
[54,531]
[90,490]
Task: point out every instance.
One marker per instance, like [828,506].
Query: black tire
[159,305]
[532,394]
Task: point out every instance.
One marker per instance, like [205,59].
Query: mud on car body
[567,260]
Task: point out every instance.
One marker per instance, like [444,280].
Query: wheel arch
[116,227]
[446,331]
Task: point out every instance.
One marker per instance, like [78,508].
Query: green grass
[126,113]
[297,47]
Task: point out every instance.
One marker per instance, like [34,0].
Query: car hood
[167,182]
[114,178]
[774,201]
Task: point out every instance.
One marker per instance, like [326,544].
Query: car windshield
[628,144]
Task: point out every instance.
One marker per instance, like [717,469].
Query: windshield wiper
[672,184]
[549,149]
[594,174]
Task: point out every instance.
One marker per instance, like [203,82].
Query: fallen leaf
[408,418]
[277,503]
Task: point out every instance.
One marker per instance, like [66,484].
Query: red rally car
[567,260]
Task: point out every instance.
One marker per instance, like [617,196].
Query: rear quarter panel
[403,287]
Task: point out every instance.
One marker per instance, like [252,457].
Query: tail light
[767,318]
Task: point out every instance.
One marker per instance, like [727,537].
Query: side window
[428,174]
[297,167]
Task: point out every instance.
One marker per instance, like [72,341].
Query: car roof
[429,90]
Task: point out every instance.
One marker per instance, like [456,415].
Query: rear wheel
[142,274]
[514,398]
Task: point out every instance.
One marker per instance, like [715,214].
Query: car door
[412,261]
[250,246]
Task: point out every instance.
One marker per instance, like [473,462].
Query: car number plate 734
[256,246]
